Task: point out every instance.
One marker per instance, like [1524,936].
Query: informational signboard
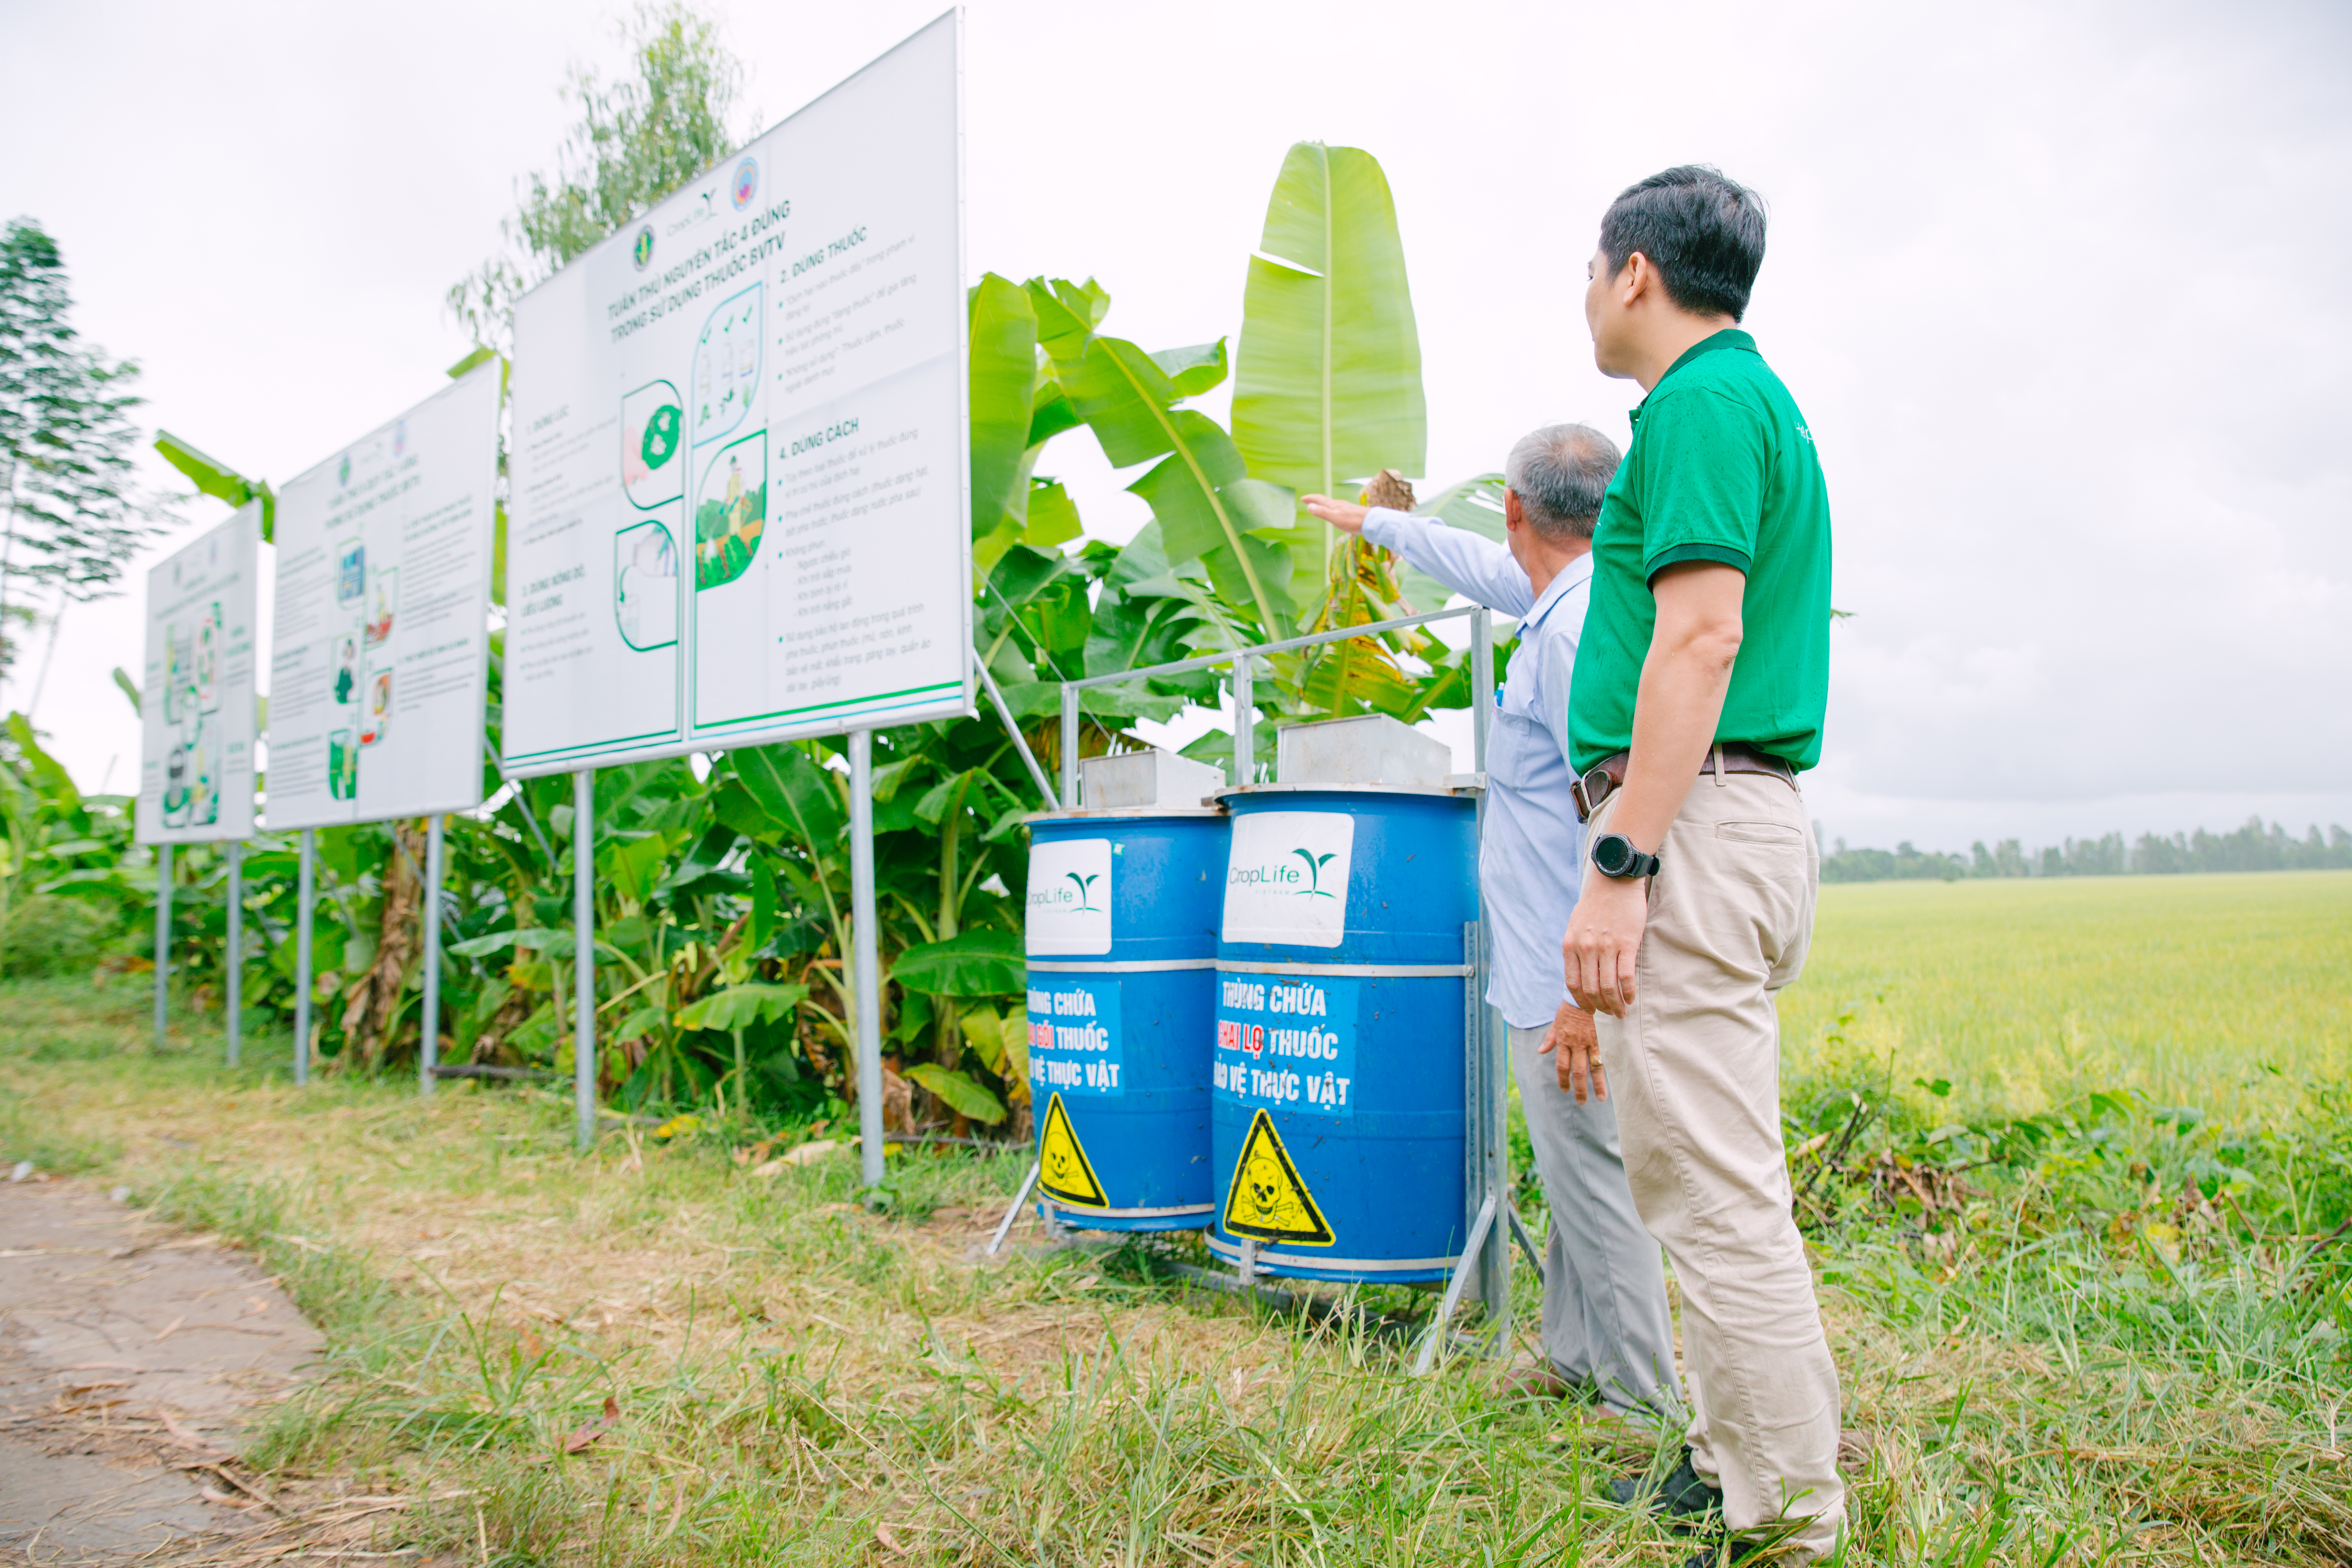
[197,699]
[379,657]
[741,504]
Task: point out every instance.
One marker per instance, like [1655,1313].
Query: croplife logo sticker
[1069,897]
[1286,878]
[641,251]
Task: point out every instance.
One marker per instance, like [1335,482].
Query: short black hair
[1704,233]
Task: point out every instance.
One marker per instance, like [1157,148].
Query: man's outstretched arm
[1476,568]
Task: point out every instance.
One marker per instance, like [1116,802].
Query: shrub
[47,935]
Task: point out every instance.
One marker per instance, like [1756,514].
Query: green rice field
[2230,994]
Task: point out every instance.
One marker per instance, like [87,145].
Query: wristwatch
[1615,856]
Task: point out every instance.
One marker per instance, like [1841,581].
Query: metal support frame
[1245,704]
[1020,742]
[306,903]
[867,1008]
[1484,1266]
[583,958]
[235,965]
[162,941]
[1481,1228]
[1245,722]
[428,1036]
[1004,1225]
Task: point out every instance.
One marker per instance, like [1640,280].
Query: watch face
[1613,853]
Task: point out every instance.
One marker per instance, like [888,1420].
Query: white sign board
[197,698]
[380,643]
[741,504]
[1286,878]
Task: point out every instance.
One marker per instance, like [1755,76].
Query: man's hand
[1604,936]
[1344,515]
[1579,1061]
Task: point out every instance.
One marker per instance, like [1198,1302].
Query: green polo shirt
[1722,468]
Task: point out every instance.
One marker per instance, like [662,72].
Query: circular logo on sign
[747,183]
[344,474]
[660,440]
[642,252]
[399,437]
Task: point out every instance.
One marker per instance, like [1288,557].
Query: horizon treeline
[2254,847]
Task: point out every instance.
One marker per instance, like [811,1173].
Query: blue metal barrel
[1341,1062]
[1122,948]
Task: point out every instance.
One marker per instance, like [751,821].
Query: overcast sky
[2061,288]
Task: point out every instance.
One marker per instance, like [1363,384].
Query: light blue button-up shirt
[1531,858]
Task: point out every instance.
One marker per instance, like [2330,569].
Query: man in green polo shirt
[1700,685]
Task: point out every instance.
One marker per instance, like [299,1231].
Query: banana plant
[1329,382]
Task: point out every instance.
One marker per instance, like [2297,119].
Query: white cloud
[2063,292]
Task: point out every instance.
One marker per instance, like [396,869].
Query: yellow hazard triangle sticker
[1062,1168]
[1266,1199]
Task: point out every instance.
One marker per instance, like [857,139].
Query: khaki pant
[1693,1070]
[1605,1319]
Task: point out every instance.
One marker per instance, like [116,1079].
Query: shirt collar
[1730,338]
[1574,574]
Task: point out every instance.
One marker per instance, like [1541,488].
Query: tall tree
[636,141]
[75,514]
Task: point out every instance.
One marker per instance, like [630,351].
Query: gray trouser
[1604,1311]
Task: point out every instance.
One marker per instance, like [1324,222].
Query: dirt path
[131,1359]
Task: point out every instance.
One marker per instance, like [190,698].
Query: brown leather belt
[1607,776]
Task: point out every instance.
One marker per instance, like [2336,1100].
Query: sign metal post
[236,956]
[867,1006]
[428,1054]
[583,956]
[163,939]
[306,902]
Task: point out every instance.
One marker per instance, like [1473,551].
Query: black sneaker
[1684,1497]
[1732,1554]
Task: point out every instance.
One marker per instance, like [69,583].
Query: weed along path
[131,1356]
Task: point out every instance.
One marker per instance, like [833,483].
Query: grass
[2130,1348]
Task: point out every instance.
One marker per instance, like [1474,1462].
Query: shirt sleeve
[1474,567]
[1704,495]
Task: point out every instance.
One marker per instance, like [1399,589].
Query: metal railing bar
[1313,639]
[1012,728]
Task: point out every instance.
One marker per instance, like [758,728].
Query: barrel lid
[1455,786]
[1110,813]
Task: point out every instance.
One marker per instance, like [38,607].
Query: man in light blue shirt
[1605,1324]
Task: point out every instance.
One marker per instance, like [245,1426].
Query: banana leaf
[969,963]
[960,1093]
[1329,384]
[741,1006]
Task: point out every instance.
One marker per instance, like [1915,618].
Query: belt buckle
[1588,796]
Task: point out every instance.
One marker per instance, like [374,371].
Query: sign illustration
[1266,1199]
[1062,1173]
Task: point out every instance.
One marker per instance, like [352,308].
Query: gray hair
[1561,473]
